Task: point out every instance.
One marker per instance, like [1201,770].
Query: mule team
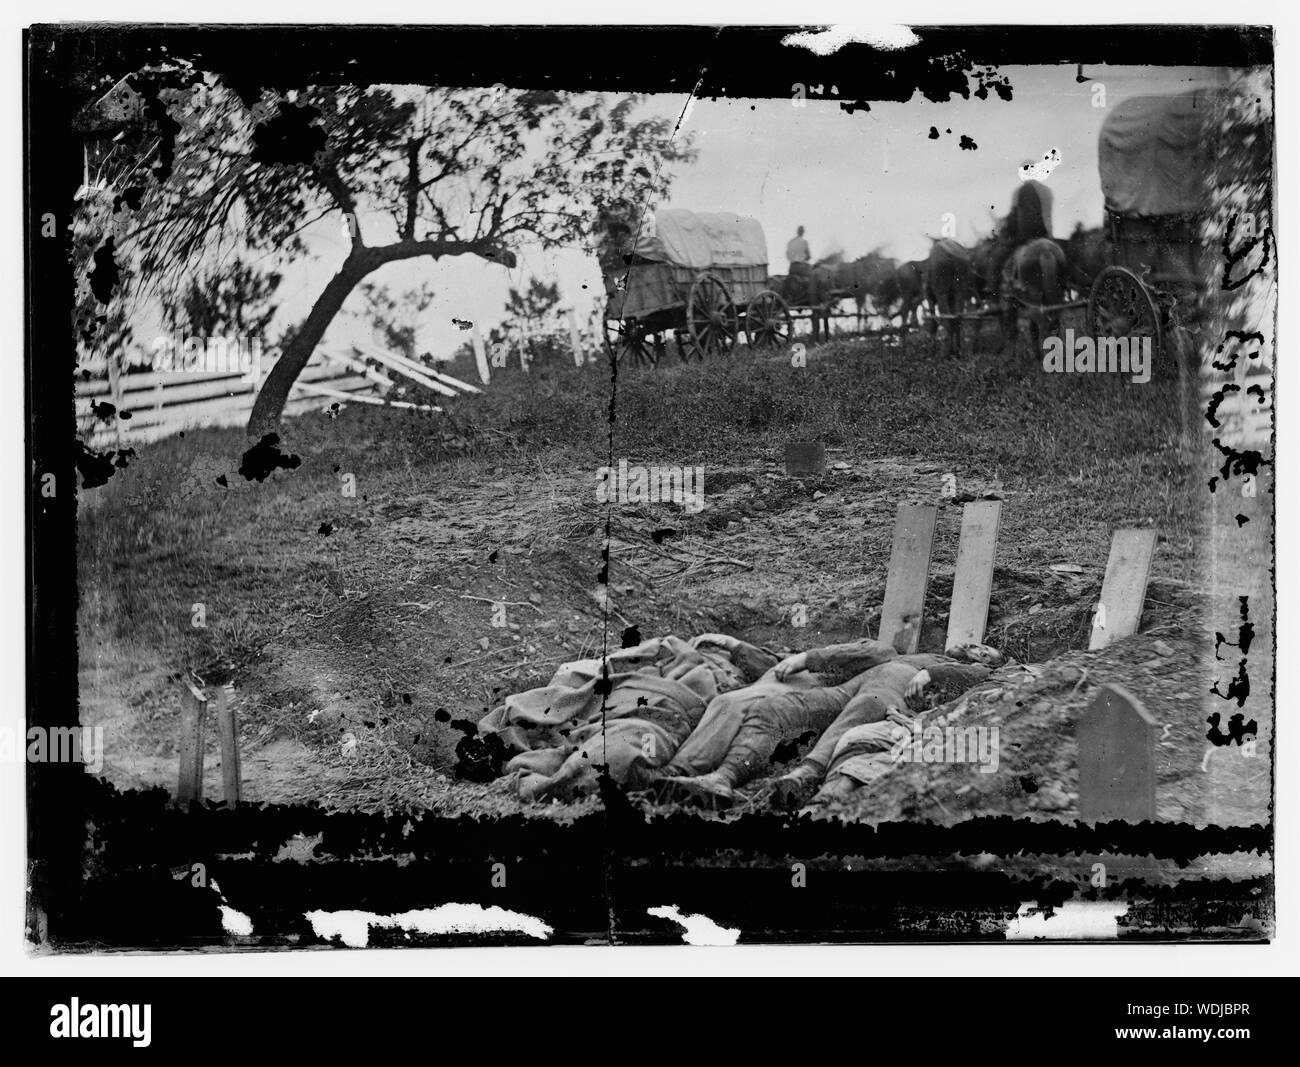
[1019,266]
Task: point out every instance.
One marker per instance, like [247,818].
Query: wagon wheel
[711,317]
[628,343]
[768,322]
[1120,305]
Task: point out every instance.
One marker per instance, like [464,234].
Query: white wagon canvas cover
[1154,155]
[702,240]
[1155,160]
[679,244]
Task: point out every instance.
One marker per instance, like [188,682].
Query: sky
[854,181]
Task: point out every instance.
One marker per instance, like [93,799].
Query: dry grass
[373,626]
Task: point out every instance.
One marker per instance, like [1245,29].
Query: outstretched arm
[752,660]
[838,663]
[723,641]
[947,677]
[959,676]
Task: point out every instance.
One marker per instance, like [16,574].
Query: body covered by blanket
[655,696]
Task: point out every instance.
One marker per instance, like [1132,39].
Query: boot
[837,788]
[791,790]
[715,790]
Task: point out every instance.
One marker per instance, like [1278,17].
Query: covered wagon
[701,277]
[1155,160]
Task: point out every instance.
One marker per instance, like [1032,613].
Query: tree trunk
[361,261]
[274,393]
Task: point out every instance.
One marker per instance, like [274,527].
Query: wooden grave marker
[909,573]
[228,727]
[1124,588]
[972,581]
[194,711]
[1117,758]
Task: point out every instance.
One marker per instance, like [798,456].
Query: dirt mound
[1036,710]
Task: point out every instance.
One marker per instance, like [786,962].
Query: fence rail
[162,403]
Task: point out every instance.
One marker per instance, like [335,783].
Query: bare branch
[437,248]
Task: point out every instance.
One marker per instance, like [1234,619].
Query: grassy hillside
[347,624]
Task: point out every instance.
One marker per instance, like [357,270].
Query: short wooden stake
[228,726]
[194,710]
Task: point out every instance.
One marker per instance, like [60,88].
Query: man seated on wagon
[799,256]
[825,691]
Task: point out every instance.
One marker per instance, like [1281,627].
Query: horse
[985,259]
[1034,275]
[862,280]
[950,284]
[874,270]
[900,291]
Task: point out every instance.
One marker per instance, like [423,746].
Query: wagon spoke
[711,316]
[1121,305]
[628,343]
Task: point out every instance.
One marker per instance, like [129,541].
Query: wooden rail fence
[162,403]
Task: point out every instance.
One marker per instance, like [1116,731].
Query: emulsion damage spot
[288,137]
[96,468]
[264,457]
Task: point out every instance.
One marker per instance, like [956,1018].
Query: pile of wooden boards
[434,380]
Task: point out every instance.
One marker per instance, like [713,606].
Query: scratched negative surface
[627,485]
